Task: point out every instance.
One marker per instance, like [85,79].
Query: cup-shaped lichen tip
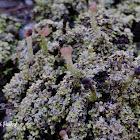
[93,6]
[66,51]
[44,32]
[28,32]
[63,134]
[88,85]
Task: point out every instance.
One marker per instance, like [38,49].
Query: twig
[17,8]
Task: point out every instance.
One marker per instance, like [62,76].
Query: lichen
[52,99]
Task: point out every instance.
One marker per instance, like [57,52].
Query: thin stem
[129,79]
[93,94]
[28,71]
[44,46]
[65,137]
[93,20]
[94,25]
[29,49]
[71,67]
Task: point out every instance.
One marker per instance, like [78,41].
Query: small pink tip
[62,133]
[93,6]
[44,32]
[66,51]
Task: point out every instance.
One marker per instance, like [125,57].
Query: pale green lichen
[4,52]
[53,99]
